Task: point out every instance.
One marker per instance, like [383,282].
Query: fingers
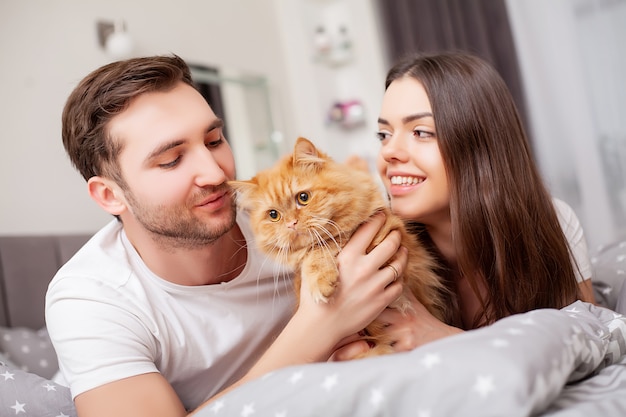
[397,266]
[362,238]
[350,351]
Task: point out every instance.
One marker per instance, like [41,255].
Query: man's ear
[107,194]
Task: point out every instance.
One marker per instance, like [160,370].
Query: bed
[568,362]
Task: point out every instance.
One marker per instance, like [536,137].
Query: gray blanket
[566,363]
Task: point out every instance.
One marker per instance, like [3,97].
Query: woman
[456,163]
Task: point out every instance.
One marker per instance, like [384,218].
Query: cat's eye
[303,198]
[274,215]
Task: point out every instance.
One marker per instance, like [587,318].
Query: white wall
[48,46]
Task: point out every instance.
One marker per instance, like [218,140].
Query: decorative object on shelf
[322,42]
[347,114]
[115,39]
[332,48]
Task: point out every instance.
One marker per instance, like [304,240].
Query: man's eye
[171,164]
[215,143]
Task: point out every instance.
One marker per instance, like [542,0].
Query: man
[170,304]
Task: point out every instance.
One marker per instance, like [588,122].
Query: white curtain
[573,66]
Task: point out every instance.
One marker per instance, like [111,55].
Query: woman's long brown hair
[504,225]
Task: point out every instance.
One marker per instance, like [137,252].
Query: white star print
[620,258]
[7,375]
[329,382]
[18,407]
[514,331]
[49,387]
[377,397]
[527,321]
[431,360]
[484,385]
[573,310]
[295,377]
[62,415]
[607,291]
[217,406]
[498,343]
[248,410]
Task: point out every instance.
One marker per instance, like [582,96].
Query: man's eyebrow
[162,149]
[215,124]
[409,118]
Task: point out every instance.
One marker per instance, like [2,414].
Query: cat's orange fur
[308,235]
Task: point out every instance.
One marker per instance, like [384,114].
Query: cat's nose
[292,224]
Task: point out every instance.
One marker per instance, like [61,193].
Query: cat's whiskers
[281,272]
[330,237]
[340,233]
[323,243]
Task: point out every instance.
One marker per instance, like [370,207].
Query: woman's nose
[394,149]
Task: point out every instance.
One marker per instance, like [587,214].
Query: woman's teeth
[398,180]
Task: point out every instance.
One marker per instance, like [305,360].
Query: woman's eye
[302,198]
[423,133]
[274,215]
[171,164]
[382,135]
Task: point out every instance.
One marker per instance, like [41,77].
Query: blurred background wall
[322,65]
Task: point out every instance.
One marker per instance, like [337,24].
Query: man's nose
[209,171]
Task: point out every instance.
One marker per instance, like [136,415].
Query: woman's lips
[403,184]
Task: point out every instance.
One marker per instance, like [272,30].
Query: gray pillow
[609,273]
[28,395]
[30,350]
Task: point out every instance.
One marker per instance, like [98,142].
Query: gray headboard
[27,264]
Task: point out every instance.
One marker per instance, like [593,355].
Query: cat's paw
[322,291]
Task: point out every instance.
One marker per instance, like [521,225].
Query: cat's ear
[304,152]
[243,191]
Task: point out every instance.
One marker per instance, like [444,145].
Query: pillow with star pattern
[545,360]
[31,350]
[26,394]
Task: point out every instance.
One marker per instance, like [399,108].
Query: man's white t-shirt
[110,318]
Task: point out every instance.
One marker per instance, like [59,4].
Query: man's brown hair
[102,95]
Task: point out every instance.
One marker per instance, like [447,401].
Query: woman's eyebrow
[407,119]
[416,116]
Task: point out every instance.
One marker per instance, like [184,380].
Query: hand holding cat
[410,330]
[414,328]
[365,287]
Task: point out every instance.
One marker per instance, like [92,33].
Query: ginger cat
[305,208]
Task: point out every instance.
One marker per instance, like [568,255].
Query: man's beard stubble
[177,227]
